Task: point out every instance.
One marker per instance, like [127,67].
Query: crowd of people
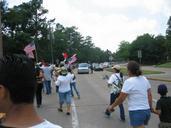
[21,80]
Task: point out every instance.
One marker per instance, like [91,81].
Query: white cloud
[110,21]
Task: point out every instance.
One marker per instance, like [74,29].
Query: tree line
[154,49]
[27,22]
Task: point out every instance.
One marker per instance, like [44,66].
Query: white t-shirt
[114,80]
[46,124]
[47,72]
[64,83]
[136,88]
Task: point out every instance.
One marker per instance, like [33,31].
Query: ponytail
[134,68]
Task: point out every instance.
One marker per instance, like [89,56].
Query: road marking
[75,123]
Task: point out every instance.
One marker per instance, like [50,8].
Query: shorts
[139,117]
[65,97]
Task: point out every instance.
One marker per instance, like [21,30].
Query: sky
[109,22]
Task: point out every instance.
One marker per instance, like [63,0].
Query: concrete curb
[157,79]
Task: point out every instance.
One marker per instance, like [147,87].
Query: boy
[163,107]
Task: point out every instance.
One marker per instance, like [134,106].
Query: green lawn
[145,72]
[166,65]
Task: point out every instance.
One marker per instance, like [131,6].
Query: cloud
[109,22]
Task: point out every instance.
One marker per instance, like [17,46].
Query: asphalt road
[88,112]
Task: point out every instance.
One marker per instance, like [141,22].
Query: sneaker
[60,110]
[123,119]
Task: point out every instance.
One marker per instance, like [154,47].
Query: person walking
[39,83]
[163,107]
[73,83]
[115,83]
[47,70]
[64,90]
[17,90]
[138,90]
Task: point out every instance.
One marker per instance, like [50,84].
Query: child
[163,107]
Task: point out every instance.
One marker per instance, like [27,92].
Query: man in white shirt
[47,71]
[64,90]
[17,90]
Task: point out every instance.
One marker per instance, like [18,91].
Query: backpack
[117,87]
[120,82]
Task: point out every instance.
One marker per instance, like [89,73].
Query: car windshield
[83,65]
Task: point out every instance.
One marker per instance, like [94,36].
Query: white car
[83,68]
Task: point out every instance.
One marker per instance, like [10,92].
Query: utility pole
[51,38]
[1,46]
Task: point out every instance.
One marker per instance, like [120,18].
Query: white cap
[117,67]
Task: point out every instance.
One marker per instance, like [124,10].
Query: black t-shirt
[164,105]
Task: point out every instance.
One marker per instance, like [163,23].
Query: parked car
[106,64]
[98,67]
[83,68]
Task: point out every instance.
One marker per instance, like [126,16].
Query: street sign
[139,54]
[110,58]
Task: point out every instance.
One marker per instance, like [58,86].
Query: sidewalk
[166,76]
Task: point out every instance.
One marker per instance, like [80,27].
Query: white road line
[75,123]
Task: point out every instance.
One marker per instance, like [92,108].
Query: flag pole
[36,52]
[1,45]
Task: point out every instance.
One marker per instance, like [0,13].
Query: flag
[65,55]
[73,59]
[30,55]
[29,48]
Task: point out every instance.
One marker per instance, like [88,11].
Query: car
[98,67]
[106,64]
[83,68]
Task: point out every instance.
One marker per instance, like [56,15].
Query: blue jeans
[48,86]
[73,86]
[112,100]
[139,117]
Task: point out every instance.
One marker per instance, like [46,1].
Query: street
[88,112]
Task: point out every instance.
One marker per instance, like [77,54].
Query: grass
[145,72]
[165,65]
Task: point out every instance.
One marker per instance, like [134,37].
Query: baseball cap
[162,89]
[117,67]
[64,71]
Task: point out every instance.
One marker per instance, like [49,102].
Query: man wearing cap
[63,82]
[114,83]
[163,107]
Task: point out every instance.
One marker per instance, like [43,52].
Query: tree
[168,39]
[152,49]
[123,52]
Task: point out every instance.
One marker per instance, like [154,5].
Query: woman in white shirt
[138,91]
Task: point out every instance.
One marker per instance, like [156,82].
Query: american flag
[73,59]
[29,48]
